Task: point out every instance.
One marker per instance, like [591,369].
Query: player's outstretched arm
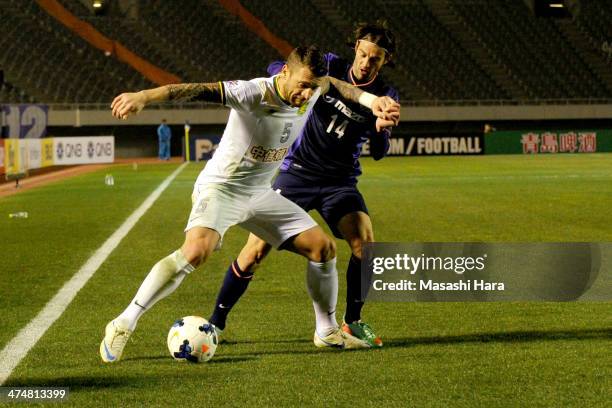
[133,102]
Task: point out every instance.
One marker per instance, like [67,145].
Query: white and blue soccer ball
[192,338]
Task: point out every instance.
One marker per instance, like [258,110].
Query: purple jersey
[329,146]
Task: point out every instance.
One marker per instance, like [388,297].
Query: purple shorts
[332,201]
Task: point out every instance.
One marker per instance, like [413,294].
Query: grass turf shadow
[237,342]
[215,360]
[504,337]
[74,383]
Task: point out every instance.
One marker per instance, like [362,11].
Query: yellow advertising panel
[47,152]
[15,156]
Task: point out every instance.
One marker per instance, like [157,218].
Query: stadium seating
[77,8]
[447,50]
[331,36]
[139,40]
[12,94]
[594,20]
[54,65]
[427,54]
[206,40]
[534,51]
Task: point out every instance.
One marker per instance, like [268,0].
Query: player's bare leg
[163,279]
[356,228]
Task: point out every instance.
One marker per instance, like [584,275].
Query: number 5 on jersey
[340,129]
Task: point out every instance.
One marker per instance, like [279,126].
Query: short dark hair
[309,56]
[377,32]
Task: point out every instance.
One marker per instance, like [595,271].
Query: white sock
[322,283]
[165,276]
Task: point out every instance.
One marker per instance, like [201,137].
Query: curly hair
[377,32]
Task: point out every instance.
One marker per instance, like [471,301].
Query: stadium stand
[77,8]
[427,52]
[196,36]
[471,50]
[12,94]
[538,56]
[334,37]
[49,62]
[594,21]
[588,33]
[139,40]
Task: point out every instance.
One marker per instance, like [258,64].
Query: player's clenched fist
[386,108]
[387,111]
[128,103]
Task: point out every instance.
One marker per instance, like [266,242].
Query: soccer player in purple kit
[321,170]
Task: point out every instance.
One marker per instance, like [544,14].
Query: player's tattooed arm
[133,102]
[349,92]
[208,92]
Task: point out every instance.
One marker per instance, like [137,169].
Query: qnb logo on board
[83,150]
[71,150]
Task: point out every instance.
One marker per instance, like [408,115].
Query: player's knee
[195,256]
[196,251]
[357,244]
[323,249]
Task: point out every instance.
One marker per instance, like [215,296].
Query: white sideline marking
[27,337]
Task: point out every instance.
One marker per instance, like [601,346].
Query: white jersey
[260,129]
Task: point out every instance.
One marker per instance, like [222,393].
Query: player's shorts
[266,214]
[332,201]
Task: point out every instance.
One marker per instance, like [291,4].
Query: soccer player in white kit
[267,114]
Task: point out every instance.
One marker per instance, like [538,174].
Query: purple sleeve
[275,67]
[379,141]
[330,58]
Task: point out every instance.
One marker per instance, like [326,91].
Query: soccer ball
[193,339]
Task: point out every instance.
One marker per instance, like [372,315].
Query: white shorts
[265,213]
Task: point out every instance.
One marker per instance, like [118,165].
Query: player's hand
[384,107]
[128,103]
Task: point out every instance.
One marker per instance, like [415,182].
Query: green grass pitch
[435,354]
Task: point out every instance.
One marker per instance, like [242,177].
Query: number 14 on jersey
[341,127]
